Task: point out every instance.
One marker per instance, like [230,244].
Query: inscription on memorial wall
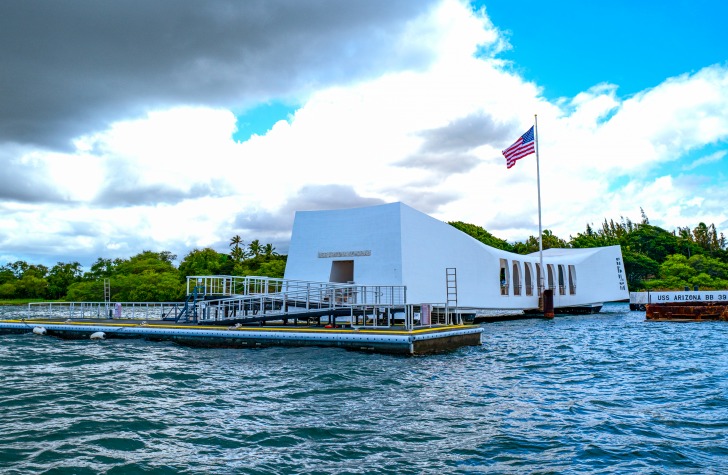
[345,254]
[621,275]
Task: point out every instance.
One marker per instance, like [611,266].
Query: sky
[175,125]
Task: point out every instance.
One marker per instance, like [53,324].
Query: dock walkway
[395,340]
[230,311]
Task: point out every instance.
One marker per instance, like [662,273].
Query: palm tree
[255,247]
[269,250]
[237,252]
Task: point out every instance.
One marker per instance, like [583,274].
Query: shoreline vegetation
[18,302]
[654,259]
[146,277]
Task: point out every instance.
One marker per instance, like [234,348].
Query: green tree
[22,269]
[274,268]
[102,268]
[710,266]
[677,266]
[236,241]
[706,282]
[707,238]
[204,262]
[652,241]
[269,251]
[645,220]
[255,248]
[22,280]
[7,290]
[550,241]
[31,287]
[7,275]
[18,268]
[61,276]
[156,262]
[591,238]
[146,277]
[7,282]
[147,286]
[679,271]
[639,268]
[86,291]
[481,235]
[237,251]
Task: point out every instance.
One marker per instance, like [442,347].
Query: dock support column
[548,303]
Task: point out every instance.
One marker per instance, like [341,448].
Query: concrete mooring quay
[686,306]
[687,312]
[391,340]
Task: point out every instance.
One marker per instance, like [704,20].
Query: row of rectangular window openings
[504,277]
[529,290]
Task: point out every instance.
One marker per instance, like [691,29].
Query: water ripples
[584,394]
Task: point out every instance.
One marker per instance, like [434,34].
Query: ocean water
[606,393]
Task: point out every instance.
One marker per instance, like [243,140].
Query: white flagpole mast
[538,185]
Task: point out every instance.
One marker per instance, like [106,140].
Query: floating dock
[249,312]
[391,340]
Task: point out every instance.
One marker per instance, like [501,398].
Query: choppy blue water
[608,393]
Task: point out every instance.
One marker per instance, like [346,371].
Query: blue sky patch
[568,46]
[261,119]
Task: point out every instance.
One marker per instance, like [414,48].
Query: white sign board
[672,297]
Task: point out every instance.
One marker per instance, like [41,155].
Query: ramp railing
[227,299]
[237,286]
[117,310]
[216,284]
[300,299]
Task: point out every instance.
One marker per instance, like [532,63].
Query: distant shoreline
[10,302]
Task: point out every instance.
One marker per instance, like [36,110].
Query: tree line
[146,277]
[654,258]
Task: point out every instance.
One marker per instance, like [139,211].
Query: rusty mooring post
[548,303]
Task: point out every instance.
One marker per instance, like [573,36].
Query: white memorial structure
[394,244]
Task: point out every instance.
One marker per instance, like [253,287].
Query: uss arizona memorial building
[394,244]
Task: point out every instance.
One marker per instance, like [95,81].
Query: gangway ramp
[243,300]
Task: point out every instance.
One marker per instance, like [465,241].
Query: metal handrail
[127,310]
[272,297]
[307,296]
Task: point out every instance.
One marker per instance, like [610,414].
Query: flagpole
[538,186]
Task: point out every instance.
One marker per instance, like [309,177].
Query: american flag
[520,148]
